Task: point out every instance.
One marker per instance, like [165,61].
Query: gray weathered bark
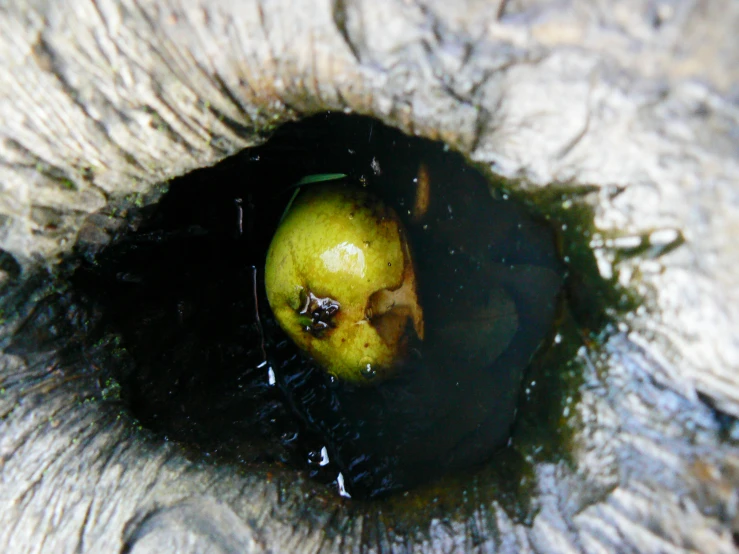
[103,99]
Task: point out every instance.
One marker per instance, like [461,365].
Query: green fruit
[341,282]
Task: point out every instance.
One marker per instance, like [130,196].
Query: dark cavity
[179,293]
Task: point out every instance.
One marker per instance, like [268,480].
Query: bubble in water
[368,372]
[333,380]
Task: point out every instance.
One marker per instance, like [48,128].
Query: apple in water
[341,282]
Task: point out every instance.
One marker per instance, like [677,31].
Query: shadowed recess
[184,296]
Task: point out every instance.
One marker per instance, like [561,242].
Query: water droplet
[271,377]
[342,488]
[375,165]
[368,372]
[557,338]
[324,457]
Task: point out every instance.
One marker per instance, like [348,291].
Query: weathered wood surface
[102,99]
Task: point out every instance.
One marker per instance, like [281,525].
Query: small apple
[341,282]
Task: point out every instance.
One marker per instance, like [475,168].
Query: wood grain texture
[102,100]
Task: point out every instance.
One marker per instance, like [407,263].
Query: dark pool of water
[180,292]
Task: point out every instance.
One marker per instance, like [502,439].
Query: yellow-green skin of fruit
[341,243]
